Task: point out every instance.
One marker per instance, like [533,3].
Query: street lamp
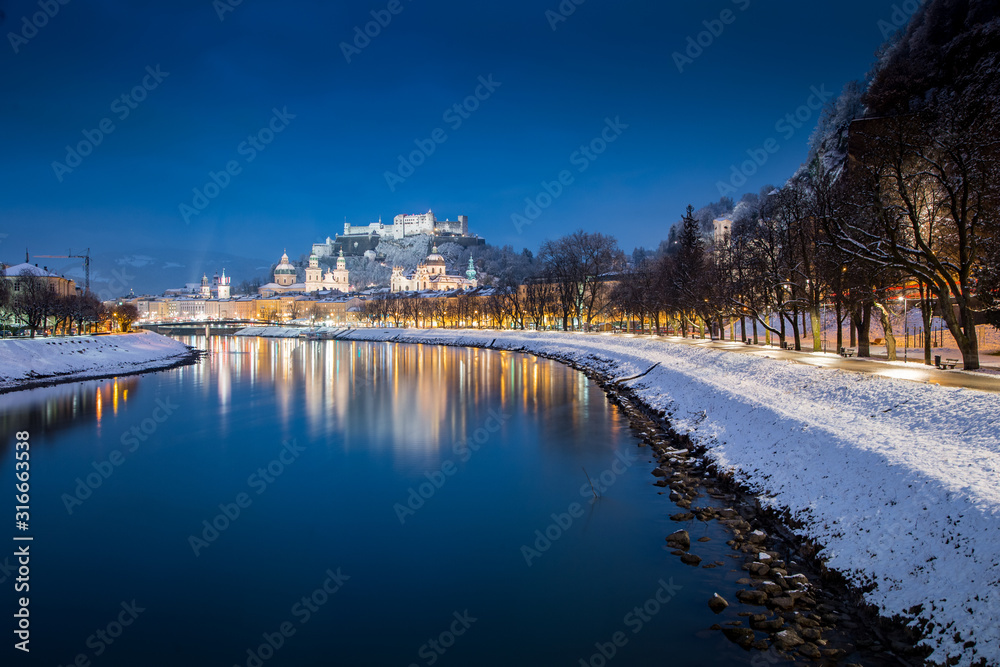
[906,329]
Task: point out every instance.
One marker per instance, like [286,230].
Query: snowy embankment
[898,481]
[26,362]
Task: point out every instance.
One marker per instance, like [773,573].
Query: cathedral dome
[434,257]
[284,267]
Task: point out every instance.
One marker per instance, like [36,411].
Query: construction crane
[86,263]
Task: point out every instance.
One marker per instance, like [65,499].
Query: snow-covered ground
[897,480]
[26,362]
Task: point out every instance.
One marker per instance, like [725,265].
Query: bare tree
[33,300]
[929,183]
[580,264]
[539,300]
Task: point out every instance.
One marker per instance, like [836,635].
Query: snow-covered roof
[13,271]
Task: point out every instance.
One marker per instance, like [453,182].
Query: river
[322,503]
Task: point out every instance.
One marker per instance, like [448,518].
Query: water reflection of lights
[48,408]
[346,387]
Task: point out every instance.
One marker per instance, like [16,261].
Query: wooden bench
[848,352]
[948,364]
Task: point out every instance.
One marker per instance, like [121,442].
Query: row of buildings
[320,297]
[431,274]
[332,309]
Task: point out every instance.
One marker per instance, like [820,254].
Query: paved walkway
[914,370]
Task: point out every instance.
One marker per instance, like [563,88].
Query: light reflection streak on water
[324,377]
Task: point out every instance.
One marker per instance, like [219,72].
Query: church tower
[314,275]
[206,289]
[224,289]
[341,277]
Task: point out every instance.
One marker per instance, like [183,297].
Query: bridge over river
[197,328]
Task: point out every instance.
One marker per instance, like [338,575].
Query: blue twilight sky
[352,120]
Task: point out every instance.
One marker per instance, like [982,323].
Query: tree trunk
[795,329]
[840,326]
[963,330]
[817,328]
[890,338]
[863,321]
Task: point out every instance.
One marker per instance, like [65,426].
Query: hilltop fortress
[359,239]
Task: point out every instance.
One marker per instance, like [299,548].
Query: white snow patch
[26,361]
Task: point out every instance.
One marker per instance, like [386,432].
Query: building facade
[285,278]
[431,275]
[61,285]
[723,230]
[336,280]
[410,225]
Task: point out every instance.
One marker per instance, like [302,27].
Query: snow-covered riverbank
[26,363]
[897,480]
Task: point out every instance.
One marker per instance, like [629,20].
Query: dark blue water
[388,499]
